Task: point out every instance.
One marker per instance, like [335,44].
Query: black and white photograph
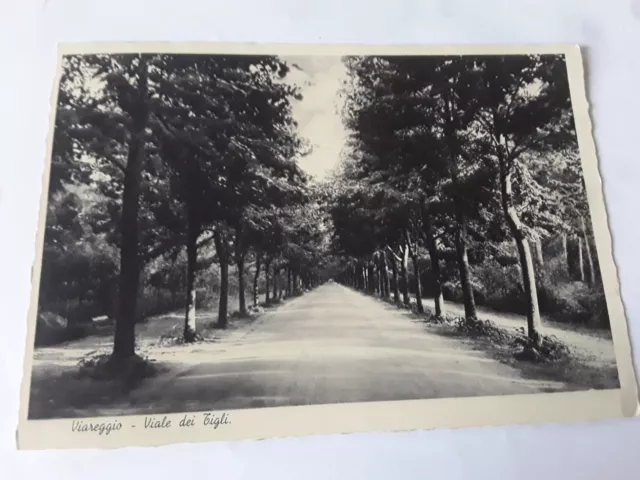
[225,232]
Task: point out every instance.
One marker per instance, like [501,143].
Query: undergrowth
[128,373]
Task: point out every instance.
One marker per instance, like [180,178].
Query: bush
[452,291]
[155,301]
[52,329]
[558,297]
[175,336]
[100,366]
[550,349]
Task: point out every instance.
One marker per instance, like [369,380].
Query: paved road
[334,345]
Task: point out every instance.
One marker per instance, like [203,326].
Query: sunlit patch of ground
[59,388]
[590,364]
[596,343]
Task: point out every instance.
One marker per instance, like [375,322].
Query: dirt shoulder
[60,389]
[589,362]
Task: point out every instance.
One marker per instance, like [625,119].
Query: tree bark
[461,230]
[256,277]
[223,257]
[404,275]
[565,254]
[380,282]
[524,252]
[294,276]
[394,272]
[438,298]
[289,291]
[240,254]
[276,269]
[587,248]
[124,335]
[365,280]
[372,278]
[189,334]
[470,312]
[413,253]
[267,266]
[581,276]
[418,284]
[385,275]
[378,275]
[242,302]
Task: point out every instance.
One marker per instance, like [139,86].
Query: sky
[318,113]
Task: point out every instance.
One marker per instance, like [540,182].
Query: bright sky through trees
[318,114]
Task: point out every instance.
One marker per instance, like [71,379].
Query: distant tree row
[157,156]
[455,160]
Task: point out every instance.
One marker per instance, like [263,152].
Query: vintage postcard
[245,242]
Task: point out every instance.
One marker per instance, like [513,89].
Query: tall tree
[522,106]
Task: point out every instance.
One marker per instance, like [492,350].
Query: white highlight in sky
[318,114]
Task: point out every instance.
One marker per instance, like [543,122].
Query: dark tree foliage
[156,159]
[451,160]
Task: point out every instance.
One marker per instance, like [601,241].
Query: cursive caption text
[152,422]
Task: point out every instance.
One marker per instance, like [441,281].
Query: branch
[161,249]
[167,129]
[121,165]
[390,250]
[489,131]
[408,242]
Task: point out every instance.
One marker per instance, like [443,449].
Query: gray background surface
[610,31]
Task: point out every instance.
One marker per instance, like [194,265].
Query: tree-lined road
[334,345]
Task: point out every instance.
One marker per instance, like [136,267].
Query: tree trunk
[365,280]
[240,253]
[438,298]
[404,275]
[565,254]
[461,230]
[372,278]
[580,261]
[587,248]
[413,253]
[223,257]
[377,269]
[275,282]
[394,272]
[385,276]
[418,284]
[463,265]
[524,252]
[267,265]
[256,277]
[289,291]
[124,336]
[192,260]
[294,276]
[224,295]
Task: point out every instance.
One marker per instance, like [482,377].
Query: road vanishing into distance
[331,345]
